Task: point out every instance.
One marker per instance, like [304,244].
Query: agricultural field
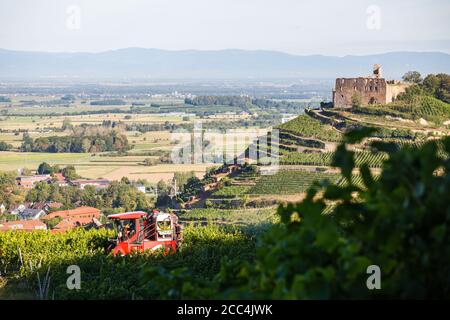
[51,104]
[102,165]
[46,123]
[44,116]
[289,182]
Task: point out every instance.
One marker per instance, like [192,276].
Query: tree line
[436,85]
[243,102]
[79,142]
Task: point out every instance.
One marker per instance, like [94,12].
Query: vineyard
[289,182]
[374,160]
[27,257]
[231,191]
[357,180]
[248,217]
[426,107]
[305,126]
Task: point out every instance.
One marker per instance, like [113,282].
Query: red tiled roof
[26,225]
[65,224]
[26,184]
[98,181]
[71,223]
[56,205]
[77,213]
[59,177]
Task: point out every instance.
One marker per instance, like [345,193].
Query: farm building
[81,215]
[25,225]
[98,184]
[29,181]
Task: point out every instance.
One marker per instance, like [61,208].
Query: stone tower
[377,71]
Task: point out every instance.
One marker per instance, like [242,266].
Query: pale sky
[327,27]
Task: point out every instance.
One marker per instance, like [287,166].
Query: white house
[140,188]
[32,214]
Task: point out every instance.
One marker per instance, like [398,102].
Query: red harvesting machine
[140,231]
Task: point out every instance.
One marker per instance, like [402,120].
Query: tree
[40,193]
[45,168]
[69,172]
[5,146]
[443,92]
[412,76]
[149,162]
[67,124]
[181,178]
[7,184]
[162,187]
[431,83]
[356,99]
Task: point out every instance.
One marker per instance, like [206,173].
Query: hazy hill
[154,63]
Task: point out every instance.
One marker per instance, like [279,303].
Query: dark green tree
[45,168]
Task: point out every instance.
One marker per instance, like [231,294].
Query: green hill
[307,127]
[419,106]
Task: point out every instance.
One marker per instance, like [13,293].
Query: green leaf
[357,135]
[344,159]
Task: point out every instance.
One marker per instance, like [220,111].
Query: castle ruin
[372,90]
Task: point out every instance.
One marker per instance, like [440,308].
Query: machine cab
[139,231]
[129,225]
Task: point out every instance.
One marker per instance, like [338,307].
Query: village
[29,216]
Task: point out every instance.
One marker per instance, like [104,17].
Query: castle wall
[394,89]
[372,90]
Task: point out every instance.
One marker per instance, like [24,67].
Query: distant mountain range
[139,63]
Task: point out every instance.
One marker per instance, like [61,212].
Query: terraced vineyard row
[308,127]
[356,179]
[425,107]
[231,192]
[246,217]
[289,182]
[311,159]
[374,160]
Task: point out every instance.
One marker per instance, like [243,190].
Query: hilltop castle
[373,89]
